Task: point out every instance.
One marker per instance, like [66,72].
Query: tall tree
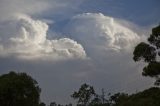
[150,53]
[84,94]
[18,89]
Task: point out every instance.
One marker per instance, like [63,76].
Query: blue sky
[139,12]
[65,43]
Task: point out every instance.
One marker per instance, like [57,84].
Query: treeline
[86,96]
[20,89]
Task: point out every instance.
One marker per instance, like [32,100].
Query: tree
[100,100]
[149,97]
[42,104]
[150,53]
[18,89]
[53,104]
[70,104]
[117,99]
[84,94]
[97,101]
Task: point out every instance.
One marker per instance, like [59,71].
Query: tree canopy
[18,89]
[150,53]
[149,97]
[84,94]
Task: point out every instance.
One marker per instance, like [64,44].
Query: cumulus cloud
[107,41]
[26,38]
[102,31]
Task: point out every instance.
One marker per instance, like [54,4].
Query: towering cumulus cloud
[98,30]
[26,38]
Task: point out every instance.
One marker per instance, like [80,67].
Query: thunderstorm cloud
[76,41]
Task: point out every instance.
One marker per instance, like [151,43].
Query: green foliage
[150,53]
[18,89]
[152,69]
[149,97]
[154,38]
[117,98]
[144,51]
[84,94]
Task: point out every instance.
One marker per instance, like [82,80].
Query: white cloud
[98,30]
[25,38]
[10,7]
[107,41]
[37,8]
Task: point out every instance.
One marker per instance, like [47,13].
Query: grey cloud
[60,78]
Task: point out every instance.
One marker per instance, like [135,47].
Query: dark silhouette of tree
[42,104]
[59,105]
[84,94]
[70,104]
[100,100]
[149,97]
[117,98]
[97,101]
[150,53]
[53,104]
[18,89]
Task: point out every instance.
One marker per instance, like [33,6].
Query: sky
[65,43]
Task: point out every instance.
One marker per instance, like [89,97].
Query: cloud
[30,7]
[65,32]
[26,38]
[109,43]
[98,30]
[38,8]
